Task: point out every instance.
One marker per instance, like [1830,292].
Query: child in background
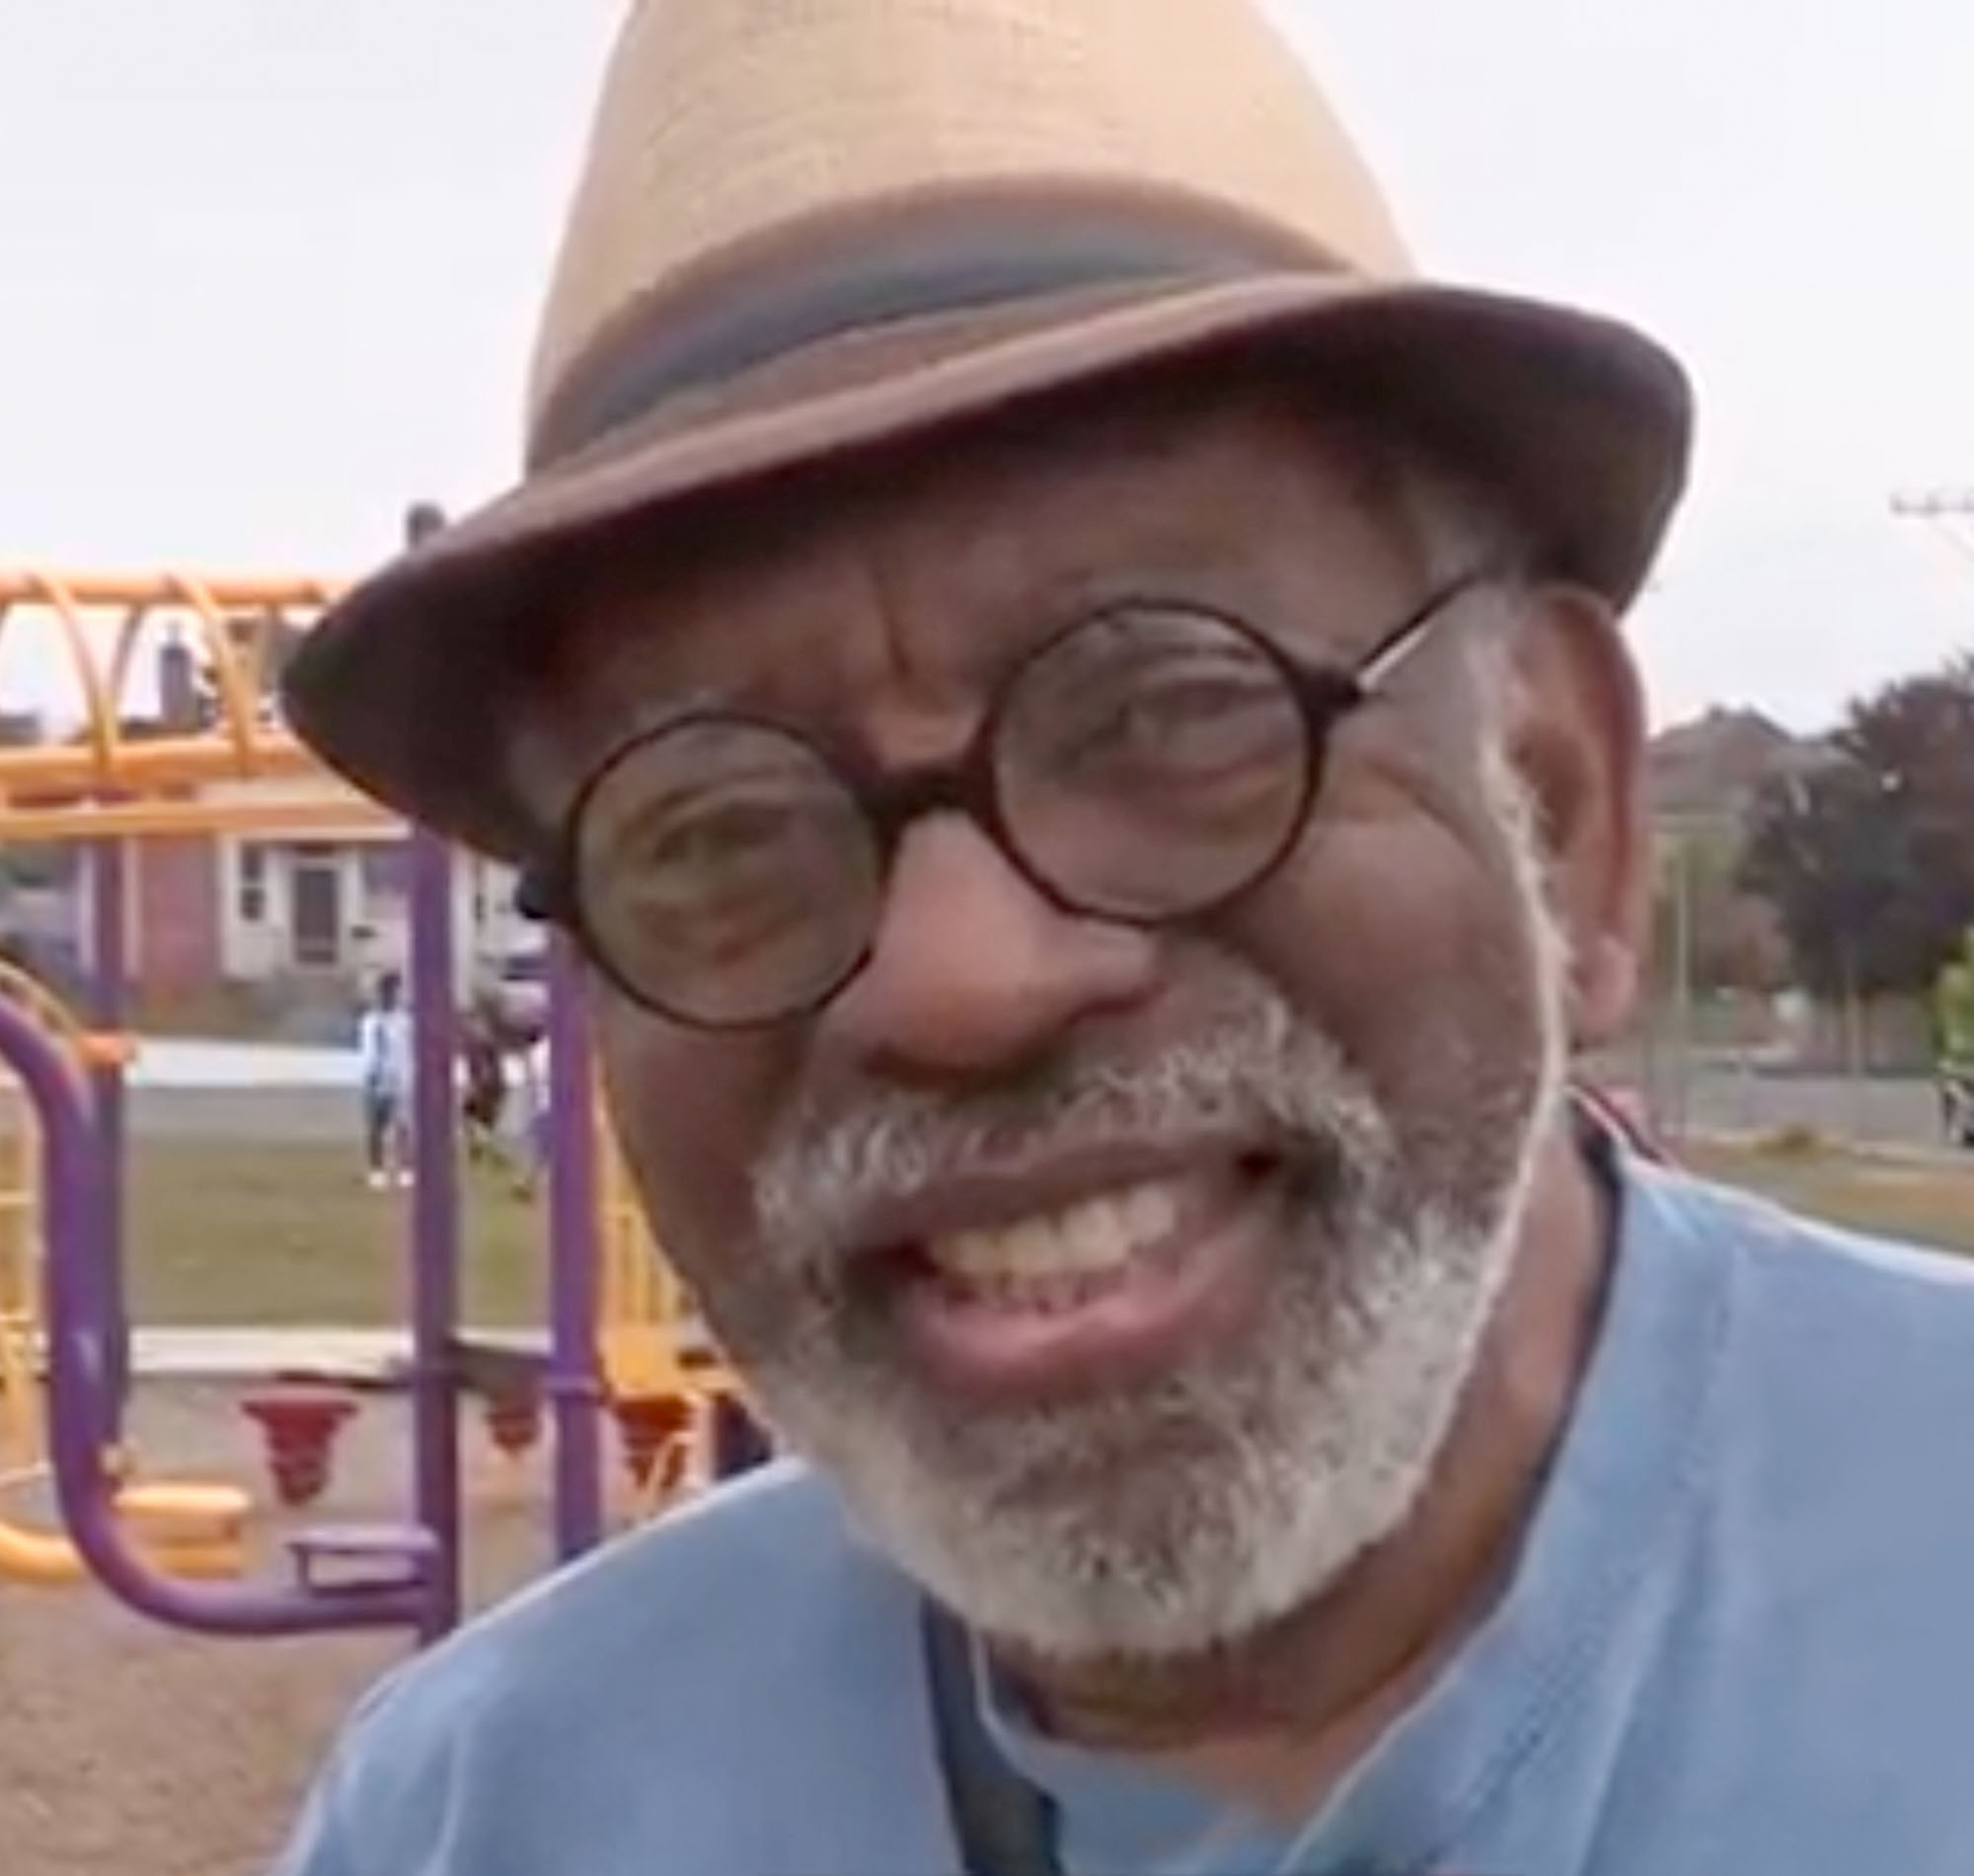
[384,1055]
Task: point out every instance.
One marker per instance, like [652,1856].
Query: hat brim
[1582,424]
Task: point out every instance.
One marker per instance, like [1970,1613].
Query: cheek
[1411,951]
[690,1112]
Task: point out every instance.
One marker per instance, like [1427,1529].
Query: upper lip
[989,1198]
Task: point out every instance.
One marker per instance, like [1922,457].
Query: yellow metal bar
[232,593]
[160,820]
[239,706]
[129,632]
[643,1314]
[60,601]
[106,1049]
[234,619]
[37,1002]
[22,1433]
[155,763]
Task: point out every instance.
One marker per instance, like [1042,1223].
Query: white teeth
[1150,1212]
[1090,1238]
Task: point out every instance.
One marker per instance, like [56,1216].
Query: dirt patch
[128,1750]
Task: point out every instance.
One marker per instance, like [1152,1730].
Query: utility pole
[1947,512]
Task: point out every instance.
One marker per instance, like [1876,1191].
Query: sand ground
[128,1751]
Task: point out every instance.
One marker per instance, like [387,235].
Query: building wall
[256,891]
[89,861]
[261,890]
[205,913]
[174,888]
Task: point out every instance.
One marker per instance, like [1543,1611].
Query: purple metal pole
[80,1288]
[434,1226]
[108,1008]
[573,1382]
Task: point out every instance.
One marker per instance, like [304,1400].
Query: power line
[1945,512]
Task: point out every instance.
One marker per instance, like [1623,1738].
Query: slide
[190,1531]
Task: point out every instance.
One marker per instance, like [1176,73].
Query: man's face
[1125,1279]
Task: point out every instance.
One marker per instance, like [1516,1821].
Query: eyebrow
[1179,564]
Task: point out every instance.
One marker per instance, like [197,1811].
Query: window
[250,886]
[383,866]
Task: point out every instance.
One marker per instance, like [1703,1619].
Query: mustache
[1254,1068]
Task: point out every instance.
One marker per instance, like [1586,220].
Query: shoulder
[1812,1646]
[747,1638]
[1845,1357]
[1795,1277]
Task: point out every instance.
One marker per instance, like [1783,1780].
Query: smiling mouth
[1110,1285]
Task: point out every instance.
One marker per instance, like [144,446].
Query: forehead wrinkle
[1032,553]
[993,541]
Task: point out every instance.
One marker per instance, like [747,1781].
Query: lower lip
[1199,1286]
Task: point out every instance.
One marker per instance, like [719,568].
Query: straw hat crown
[722,122]
[810,229]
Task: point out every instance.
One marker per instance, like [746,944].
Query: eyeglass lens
[1145,764]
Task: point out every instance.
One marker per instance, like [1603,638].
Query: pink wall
[175,900]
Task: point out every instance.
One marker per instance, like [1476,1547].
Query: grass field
[289,1234]
[283,1236]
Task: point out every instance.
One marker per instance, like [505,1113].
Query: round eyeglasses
[1150,763]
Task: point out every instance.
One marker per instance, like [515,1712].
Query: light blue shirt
[1740,1638]
[384,1051]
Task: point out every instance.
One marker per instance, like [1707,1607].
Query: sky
[268,272]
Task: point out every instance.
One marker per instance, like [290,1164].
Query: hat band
[962,260]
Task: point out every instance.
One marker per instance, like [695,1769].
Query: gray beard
[1174,1517]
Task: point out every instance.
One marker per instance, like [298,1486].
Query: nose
[972,972]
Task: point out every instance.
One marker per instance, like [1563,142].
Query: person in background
[483,1099]
[384,1052]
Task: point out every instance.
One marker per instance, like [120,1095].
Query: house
[337,903]
[266,929]
[1705,775]
[284,928]
[258,930]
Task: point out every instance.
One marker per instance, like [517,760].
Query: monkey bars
[110,781]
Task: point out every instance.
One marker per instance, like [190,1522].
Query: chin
[1177,1517]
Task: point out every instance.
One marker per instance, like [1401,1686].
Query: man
[1077,714]
[384,1064]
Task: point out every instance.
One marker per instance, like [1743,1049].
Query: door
[316,908]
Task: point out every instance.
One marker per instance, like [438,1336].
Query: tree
[1869,858]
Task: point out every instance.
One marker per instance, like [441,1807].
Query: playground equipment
[184,1529]
[674,1400]
[611,1344]
[104,787]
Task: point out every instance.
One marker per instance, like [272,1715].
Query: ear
[1578,741]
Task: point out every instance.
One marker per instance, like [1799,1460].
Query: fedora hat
[807,228]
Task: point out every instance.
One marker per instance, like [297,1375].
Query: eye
[715,835]
[1184,719]
[1195,712]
